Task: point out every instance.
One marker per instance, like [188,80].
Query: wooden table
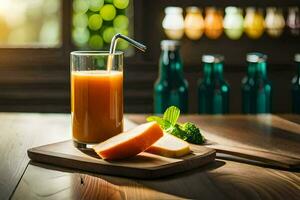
[223,179]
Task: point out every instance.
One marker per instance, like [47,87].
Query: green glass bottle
[205,88]
[213,90]
[262,86]
[170,88]
[248,88]
[296,87]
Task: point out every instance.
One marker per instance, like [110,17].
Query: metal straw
[113,46]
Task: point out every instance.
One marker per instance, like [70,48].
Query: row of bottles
[233,23]
[171,88]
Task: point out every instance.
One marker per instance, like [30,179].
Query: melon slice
[130,143]
[170,146]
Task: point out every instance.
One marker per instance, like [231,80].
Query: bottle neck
[207,71]
[218,70]
[170,65]
[251,69]
[261,70]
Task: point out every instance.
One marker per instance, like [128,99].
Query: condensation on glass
[30,23]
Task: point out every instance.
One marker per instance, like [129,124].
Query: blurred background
[36,37]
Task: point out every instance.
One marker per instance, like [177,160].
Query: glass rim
[95,53]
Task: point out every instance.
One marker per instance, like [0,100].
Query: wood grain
[290,117]
[261,132]
[21,131]
[266,157]
[144,165]
[266,138]
[219,180]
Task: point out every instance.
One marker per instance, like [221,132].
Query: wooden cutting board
[270,139]
[144,165]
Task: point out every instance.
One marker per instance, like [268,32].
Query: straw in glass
[113,45]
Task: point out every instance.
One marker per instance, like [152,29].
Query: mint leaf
[157,119]
[161,122]
[187,131]
[172,114]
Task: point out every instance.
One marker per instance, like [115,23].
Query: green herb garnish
[187,131]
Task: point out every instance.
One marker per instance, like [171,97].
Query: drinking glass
[96,96]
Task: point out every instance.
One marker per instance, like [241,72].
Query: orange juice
[96,105]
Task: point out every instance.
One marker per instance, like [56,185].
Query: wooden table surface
[223,179]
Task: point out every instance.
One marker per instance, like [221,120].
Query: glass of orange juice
[96,96]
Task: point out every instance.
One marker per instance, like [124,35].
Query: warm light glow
[173,23]
[17,16]
[254,23]
[194,23]
[30,22]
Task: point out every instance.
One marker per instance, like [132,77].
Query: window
[30,23]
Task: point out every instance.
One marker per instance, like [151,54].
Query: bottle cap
[297,57]
[173,10]
[193,9]
[212,58]
[169,45]
[293,9]
[232,9]
[250,9]
[256,57]
[210,9]
[271,9]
